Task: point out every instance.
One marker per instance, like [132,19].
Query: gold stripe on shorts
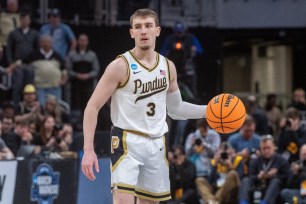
[165,151]
[137,133]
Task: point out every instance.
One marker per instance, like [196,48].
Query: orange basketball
[225,113]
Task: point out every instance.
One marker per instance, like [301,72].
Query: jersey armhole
[168,67]
[121,85]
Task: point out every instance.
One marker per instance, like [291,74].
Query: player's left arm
[177,108]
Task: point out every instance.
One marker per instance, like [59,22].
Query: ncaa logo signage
[45,184]
[134,66]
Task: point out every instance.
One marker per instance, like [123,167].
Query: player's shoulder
[119,63]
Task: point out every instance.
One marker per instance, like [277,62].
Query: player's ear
[131,33]
[158,30]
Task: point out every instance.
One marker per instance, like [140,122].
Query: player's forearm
[89,126]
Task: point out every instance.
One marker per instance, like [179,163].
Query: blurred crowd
[45,76]
[48,74]
[263,162]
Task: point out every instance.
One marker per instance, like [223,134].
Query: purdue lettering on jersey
[140,104]
[150,88]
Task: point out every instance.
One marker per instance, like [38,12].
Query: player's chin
[145,47]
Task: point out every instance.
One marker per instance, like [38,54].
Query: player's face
[144,31]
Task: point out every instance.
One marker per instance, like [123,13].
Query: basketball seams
[221,113]
[228,121]
[212,111]
[225,127]
[232,109]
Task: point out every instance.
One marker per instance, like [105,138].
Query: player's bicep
[173,81]
[114,74]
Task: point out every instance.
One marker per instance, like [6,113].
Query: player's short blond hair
[145,13]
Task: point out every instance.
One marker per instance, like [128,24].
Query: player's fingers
[96,165]
[86,171]
[90,173]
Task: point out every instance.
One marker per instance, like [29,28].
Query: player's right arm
[116,73]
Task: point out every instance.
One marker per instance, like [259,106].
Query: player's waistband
[131,131]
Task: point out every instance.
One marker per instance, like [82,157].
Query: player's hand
[89,160]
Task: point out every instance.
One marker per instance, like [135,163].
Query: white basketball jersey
[140,103]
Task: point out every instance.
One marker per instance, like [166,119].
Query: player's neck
[145,56]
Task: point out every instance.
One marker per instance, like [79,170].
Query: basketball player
[143,85]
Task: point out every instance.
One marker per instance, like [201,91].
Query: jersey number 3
[151,107]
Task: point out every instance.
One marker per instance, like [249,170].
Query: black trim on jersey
[168,67]
[150,94]
[128,69]
[147,68]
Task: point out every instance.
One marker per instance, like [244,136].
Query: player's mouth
[144,39]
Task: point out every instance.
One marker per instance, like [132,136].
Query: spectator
[224,180]
[201,146]
[21,42]
[54,109]
[8,124]
[48,139]
[65,137]
[292,136]
[84,69]
[245,141]
[29,109]
[274,115]
[5,152]
[267,174]
[50,72]
[182,177]
[8,109]
[182,47]
[258,114]
[9,20]
[20,136]
[297,180]
[298,100]
[33,126]
[62,35]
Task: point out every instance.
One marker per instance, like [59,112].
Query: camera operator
[182,177]
[201,146]
[182,47]
[292,136]
[267,173]
[224,181]
[52,137]
[296,184]
[64,137]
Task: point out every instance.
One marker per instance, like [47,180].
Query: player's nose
[143,31]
